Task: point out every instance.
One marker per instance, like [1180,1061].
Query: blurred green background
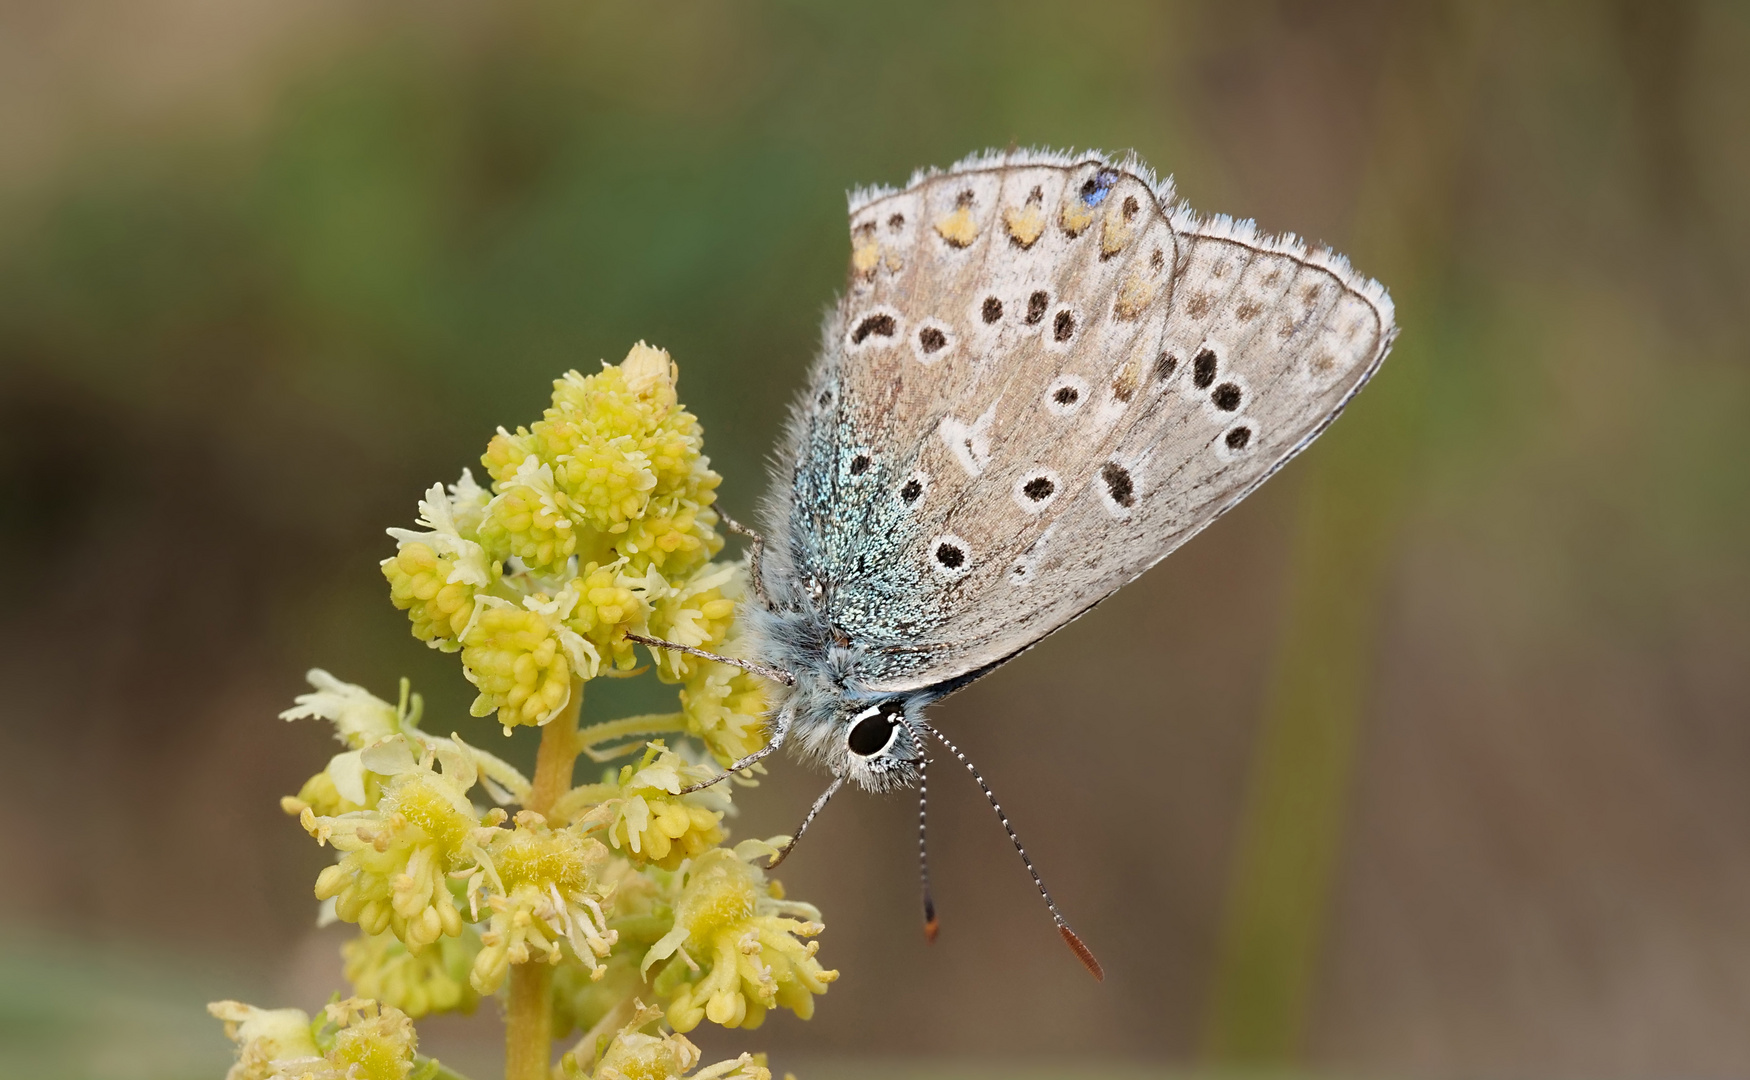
[1432,759]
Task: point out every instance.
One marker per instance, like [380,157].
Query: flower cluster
[737,946]
[644,814]
[635,1055]
[457,869]
[355,1039]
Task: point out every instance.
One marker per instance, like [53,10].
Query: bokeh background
[1432,759]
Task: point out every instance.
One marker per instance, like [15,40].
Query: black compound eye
[870,735]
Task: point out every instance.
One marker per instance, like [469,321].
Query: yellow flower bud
[434,980]
[725,708]
[531,518]
[522,660]
[608,607]
[695,612]
[649,821]
[434,575]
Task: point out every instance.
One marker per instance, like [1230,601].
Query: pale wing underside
[1041,381]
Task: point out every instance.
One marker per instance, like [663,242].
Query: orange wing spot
[1025,224]
[864,258]
[1133,297]
[1076,217]
[957,227]
[1115,231]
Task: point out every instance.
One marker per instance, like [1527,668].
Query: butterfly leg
[780,732]
[756,549]
[813,812]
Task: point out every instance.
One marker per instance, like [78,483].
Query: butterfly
[1044,375]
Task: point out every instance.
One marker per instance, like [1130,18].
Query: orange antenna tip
[1083,953]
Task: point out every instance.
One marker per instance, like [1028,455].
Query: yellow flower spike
[434,980]
[631,461]
[676,533]
[392,874]
[434,575]
[736,949]
[542,886]
[648,820]
[600,522]
[522,660]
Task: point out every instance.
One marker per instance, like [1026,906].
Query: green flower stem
[557,756]
[528,1025]
[528,1022]
[648,724]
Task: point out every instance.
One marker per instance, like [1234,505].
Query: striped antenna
[1083,953]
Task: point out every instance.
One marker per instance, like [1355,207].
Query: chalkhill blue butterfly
[1044,375]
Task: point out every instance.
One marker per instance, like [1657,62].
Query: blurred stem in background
[1353,496]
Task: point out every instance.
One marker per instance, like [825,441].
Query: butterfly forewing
[1040,382]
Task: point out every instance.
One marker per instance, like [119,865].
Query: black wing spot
[1165,364]
[1063,326]
[1039,488]
[896,222]
[1157,261]
[1203,369]
[825,398]
[1067,395]
[963,200]
[950,555]
[882,325]
[860,464]
[992,310]
[1036,305]
[1131,206]
[1238,438]
[932,340]
[911,491]
[1226,397]
[1118,483]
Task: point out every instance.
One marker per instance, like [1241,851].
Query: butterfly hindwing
[1041,381]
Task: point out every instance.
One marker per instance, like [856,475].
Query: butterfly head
[874,743]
